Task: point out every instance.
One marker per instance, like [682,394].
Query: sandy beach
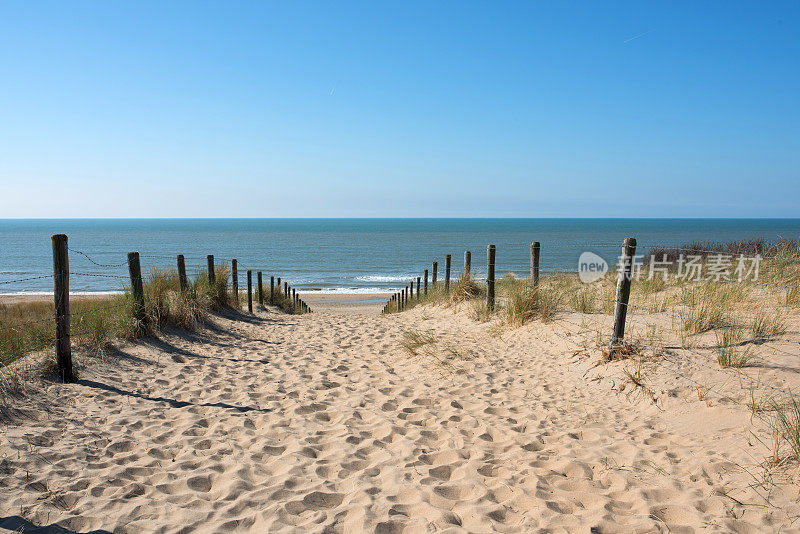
[19,299]
[324,423]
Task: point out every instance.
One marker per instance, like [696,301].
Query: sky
[399,109]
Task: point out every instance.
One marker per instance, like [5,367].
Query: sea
[338,255]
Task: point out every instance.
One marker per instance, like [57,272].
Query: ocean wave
[346,290]
[380,278]
[73,293]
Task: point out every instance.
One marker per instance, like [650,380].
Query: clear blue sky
[399,109]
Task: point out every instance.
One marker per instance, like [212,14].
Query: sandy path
[322,423]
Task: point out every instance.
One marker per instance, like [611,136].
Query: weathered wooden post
[260,289]
[250,291]
[294,297]
[467,264]
[490,278]
[235,281]
[433,274]
[182,272]
[61,302]
[402,299]
[535,263]
[447,274]
[279,285]
[411,290]
[212,278]
[137,289]
[623,293]
[272,290]
[419,283]
[286,290]
[426,281]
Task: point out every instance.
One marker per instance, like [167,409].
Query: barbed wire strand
[96,263]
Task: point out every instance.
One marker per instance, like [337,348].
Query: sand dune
[324,423]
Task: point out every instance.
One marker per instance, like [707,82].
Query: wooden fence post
[402,299]
[294,297]
[426,281]
[535,263]
[411,290]
[212,277]
[260,290]
[418,285]
[447,274]
[490,277]
[272,290]
[286,290]
[250,291]
[433,274]
[61,302]
[235,281]
[623,293]
[137,289]
[278,285]
[182,272]
[467,264]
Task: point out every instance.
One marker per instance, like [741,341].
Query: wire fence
[764,347]
[33,327]
[736,350]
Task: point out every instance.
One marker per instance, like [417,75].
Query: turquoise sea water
[339,255]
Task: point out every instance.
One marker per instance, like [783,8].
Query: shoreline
[365,298]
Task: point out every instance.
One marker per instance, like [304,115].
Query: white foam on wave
[348,290]
[379,278]
[50,293]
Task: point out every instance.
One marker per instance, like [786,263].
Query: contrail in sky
[636,37]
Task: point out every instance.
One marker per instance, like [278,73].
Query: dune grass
[414,340]
[731,352]
[283,302]
[30,326]
[526,303]
[786,426]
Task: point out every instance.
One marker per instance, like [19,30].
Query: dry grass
[705,306]
[413,341]
[480,312]
[623,350]
[527,303]
[466,289]
[584,300]
[636,375]
[445,355]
